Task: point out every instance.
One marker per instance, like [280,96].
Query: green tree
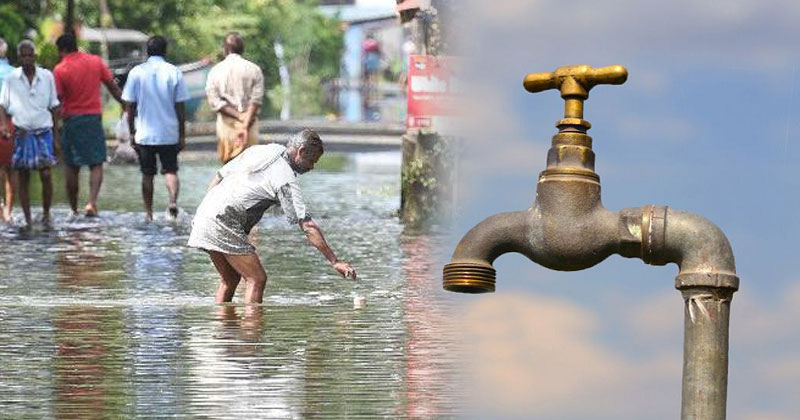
[312,46]
[312,41]
[12,27]
[29,11]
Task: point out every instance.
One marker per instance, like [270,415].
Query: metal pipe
[568,229]
[705,353]
[707,280]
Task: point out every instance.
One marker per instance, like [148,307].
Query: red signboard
[432,90]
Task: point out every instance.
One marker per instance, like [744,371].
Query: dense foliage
[11,27]
[312,42]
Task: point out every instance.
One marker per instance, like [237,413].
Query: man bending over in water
[260,177]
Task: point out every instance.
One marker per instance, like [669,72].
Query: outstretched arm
[315,236]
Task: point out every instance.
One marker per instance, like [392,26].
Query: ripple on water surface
[113,317]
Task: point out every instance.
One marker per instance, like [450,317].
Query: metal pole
[705,352]
[286,84]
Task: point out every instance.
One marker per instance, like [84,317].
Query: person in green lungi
[78,77]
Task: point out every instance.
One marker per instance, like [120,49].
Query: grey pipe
[707,280]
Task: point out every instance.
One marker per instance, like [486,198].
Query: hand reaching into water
[314,235]
[345,269]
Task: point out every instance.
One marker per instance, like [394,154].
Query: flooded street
[114,317]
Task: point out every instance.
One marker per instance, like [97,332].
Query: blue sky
[709,122]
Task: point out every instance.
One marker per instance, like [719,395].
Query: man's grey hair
[3,47]
[308,139]
[26,43]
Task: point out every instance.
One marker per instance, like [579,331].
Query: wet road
[113,317]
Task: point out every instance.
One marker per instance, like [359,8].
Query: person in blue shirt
[155,93]
[6,145]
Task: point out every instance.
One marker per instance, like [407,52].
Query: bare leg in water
[24,176]
[47,194]
[8,184]
[147,195]
[249,266]
[95,182]
[173,188]
[232,269]
[72,174]
[229,278]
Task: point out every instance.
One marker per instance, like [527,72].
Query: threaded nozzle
[468,278]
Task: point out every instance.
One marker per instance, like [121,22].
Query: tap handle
[575,81]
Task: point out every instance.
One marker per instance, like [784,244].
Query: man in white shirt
[29,96]
[260,177]
[155,93]
[235,90]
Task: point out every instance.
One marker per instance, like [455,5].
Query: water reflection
[80,263]
[114,317]
[233,368]
[431,357]
[153,263]
[89,373]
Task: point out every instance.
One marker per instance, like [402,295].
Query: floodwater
[113,317]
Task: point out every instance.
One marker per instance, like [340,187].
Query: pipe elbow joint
[699,248]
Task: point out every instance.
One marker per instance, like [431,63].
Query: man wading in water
[260,177]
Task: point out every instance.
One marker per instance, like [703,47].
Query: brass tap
[574,83]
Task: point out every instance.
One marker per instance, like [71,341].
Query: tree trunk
[69,20]
[106,20]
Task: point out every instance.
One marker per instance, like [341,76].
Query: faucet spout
[471,268]
[566,229]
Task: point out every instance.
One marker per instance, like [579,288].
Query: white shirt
[155,86]
[29,103]
[259,178]
[236,81]
[256,179]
